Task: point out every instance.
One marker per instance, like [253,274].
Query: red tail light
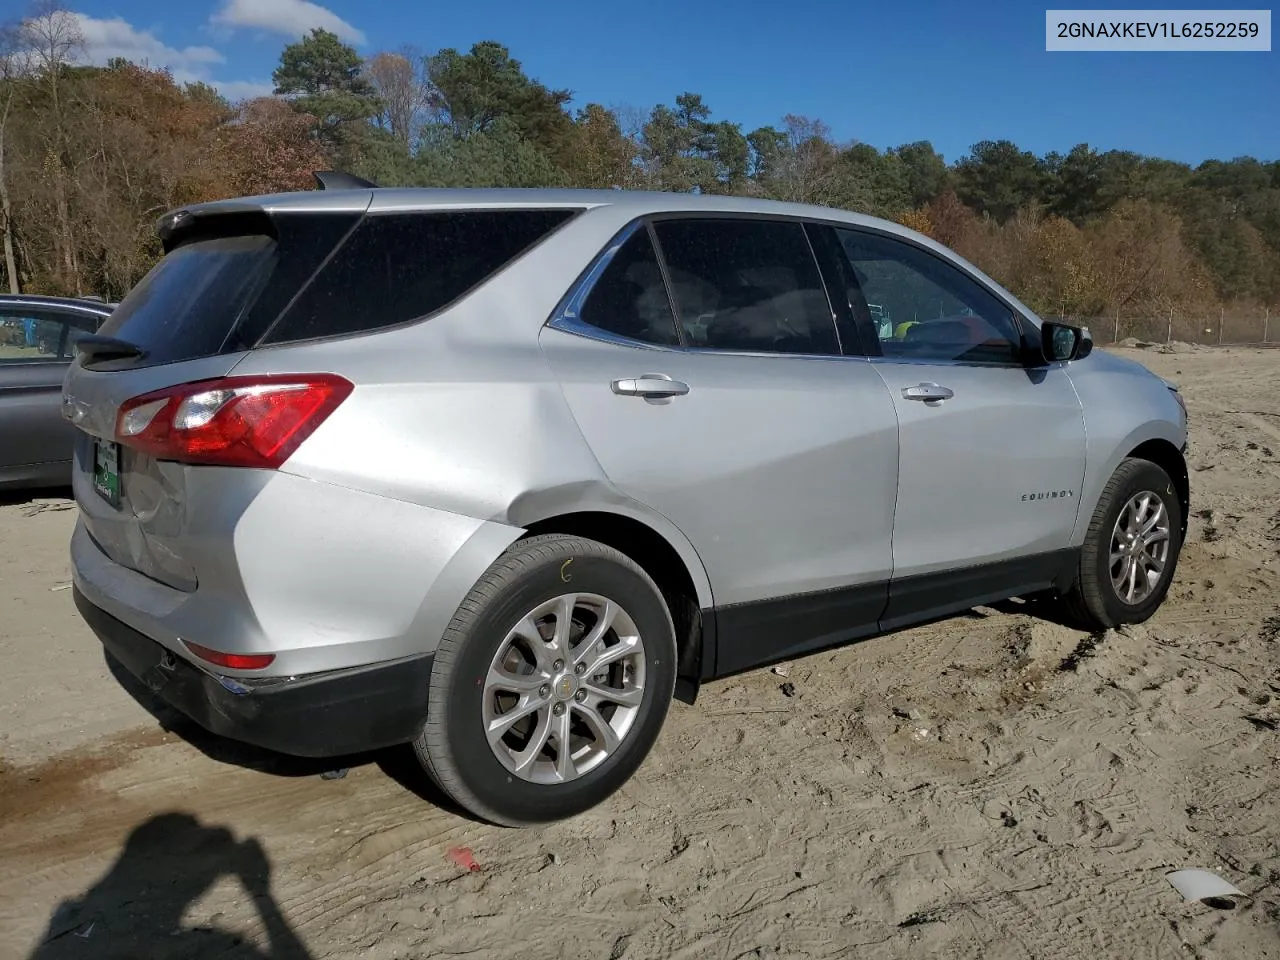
[231,421]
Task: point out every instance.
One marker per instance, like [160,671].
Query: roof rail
[337,180]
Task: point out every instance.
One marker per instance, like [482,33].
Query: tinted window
[32,335]
[303,242]
[923,307]
[629,298]
[747,285]
[189,302]
[400,267]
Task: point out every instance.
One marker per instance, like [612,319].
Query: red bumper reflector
[234,661]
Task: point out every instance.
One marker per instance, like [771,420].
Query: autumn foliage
[133,145]
[91,156]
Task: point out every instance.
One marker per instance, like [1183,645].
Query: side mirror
[1086,344]
[1060,342]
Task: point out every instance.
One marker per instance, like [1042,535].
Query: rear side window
[189,302]
[630,299]
[400,267]
[745,284]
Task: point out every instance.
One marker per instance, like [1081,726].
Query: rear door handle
[928,392]
[650,385]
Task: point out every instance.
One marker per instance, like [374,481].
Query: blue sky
[881,72]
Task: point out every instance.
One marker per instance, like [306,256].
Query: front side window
[39,335]
[744,284]
[629,299]
[924,308]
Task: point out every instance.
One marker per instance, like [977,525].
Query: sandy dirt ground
[996,786]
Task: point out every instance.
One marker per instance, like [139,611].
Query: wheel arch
[1156,440]
[1171,460]
[674,567]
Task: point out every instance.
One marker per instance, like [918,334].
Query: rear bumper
[332,714]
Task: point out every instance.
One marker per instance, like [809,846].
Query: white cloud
[291,18]
[235,90]
[105,39]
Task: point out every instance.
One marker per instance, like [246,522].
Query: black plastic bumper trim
[328,715]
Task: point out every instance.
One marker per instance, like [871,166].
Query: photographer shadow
[137,908]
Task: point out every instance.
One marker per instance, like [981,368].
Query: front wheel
[1131,549]
[551,683]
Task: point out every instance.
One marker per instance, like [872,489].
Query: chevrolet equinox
[499,473]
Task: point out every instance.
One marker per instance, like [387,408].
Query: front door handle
[651,386]
[928,392]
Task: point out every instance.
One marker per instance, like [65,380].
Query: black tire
[453,747]
[1092,601]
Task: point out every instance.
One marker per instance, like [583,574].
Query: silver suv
[499,473]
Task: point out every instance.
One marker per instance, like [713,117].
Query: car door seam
[897,470]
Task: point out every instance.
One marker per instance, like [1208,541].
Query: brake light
[235,661]
[231,421]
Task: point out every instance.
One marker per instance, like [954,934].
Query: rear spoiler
[337,180]
[226,217]
[222,219]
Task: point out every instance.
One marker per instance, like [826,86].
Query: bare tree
[631,120]
[10,65]
[50,35]
[401,82]
[805,169]
[50,40]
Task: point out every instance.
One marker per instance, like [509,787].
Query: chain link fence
[1251,326]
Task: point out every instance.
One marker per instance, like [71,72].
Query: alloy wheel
[1140,543]
[564,688]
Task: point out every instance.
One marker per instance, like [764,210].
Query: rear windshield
[189,302]
[227,294]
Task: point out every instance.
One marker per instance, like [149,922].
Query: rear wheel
[551,684]
[1131,549]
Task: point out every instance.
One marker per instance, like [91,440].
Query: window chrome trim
[570,307]
[943,362]
[772,354]
[576,327]
[567,317]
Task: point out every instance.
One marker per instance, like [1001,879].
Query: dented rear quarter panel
[461,413]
